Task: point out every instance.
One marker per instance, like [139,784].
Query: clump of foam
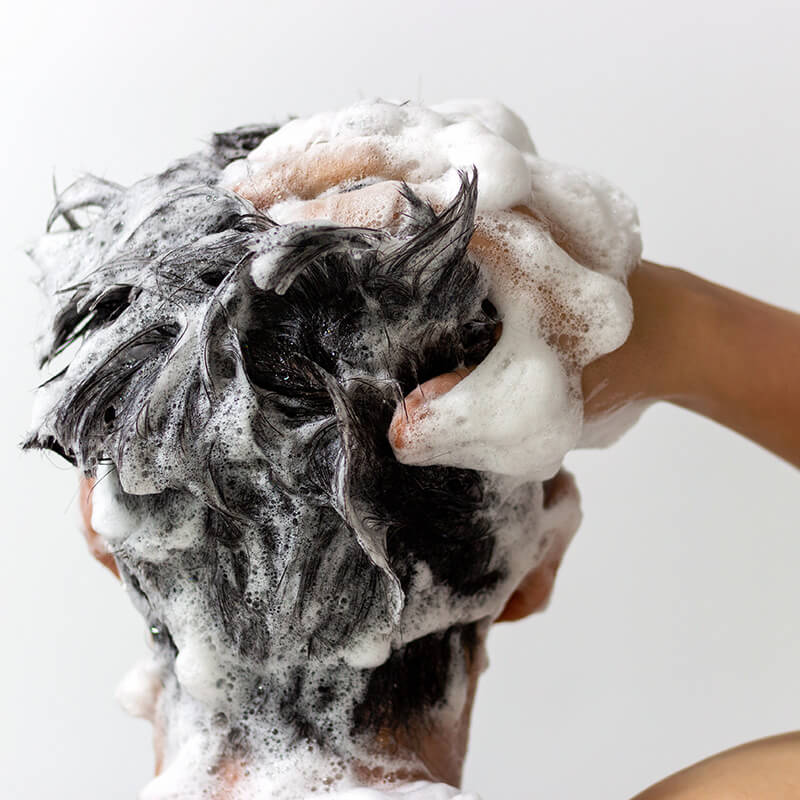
[228,658]
[556,275]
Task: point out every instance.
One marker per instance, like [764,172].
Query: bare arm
[711,350]
[706,348]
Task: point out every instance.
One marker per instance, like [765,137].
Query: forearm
[745,372]
[709,349]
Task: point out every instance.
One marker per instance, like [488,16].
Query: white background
[672,631]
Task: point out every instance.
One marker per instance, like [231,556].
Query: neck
[199,751]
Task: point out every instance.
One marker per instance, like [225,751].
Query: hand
[693,343]
[302,179]
[496,243]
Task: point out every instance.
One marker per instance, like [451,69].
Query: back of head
[229,388]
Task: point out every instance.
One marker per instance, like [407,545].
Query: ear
[97,547]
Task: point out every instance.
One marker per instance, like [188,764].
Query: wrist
[660,359]
[674,314]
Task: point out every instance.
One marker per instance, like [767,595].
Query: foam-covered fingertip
[407,429]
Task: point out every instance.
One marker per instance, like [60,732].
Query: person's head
[229,396]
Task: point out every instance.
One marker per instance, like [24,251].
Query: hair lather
[235,379]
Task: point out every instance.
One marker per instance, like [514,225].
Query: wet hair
[239,376]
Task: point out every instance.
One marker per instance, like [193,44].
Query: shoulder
[767,769]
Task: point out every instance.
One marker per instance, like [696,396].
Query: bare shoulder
[767,769]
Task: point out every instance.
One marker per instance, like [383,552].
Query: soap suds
[520,411]
[234,367]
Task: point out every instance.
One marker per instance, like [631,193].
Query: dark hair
[252,369]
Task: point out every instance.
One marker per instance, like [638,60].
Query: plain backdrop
[671,634]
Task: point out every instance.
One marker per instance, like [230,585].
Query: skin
[759,770]
[438,745]
[723,355]
[694,343]
[710,350]
[729,365]
[701,346]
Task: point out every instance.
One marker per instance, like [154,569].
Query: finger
[380,205]
[321,167]
[413,407]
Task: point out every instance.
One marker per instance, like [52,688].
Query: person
[696,344]
[735,361]
[317,609]
[726,378]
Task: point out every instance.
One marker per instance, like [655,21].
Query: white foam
[516,415]
[111,517]
[138,691]
[428,146]
[520,411]
[418,790]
